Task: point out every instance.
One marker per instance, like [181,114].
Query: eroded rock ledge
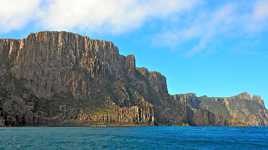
[52,78]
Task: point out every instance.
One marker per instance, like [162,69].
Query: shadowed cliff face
[60,77]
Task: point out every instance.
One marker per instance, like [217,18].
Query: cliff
[56,78]
[240,110]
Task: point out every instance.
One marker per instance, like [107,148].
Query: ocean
[147,138]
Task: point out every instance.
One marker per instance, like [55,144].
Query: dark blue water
[185,138]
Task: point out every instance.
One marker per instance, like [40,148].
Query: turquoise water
[185,138]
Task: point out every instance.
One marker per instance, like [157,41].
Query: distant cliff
[62,78]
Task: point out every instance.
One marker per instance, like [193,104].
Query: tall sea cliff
[63,78]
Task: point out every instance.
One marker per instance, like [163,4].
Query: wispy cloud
[114,16]
[14,14]
[196,22]
[219,23]
[259,16]
[260,10]
[108,16]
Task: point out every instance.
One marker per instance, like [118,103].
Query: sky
[208,47]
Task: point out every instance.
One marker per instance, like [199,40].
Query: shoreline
[126,126]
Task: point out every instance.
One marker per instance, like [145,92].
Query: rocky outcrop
[113,114]
[240,110]
[50,78]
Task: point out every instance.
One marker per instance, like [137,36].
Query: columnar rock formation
[242,109]
[52,78]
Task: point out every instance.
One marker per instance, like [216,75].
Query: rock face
[240,110]
[52,78]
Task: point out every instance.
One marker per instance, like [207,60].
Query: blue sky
[214,48]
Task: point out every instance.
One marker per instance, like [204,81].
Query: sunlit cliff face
[57,77]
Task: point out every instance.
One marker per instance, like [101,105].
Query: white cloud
[260,11]
[202,29]
[258,19]
[208,25]
[218,23]
[204,24]
[14,14]
[113,16]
